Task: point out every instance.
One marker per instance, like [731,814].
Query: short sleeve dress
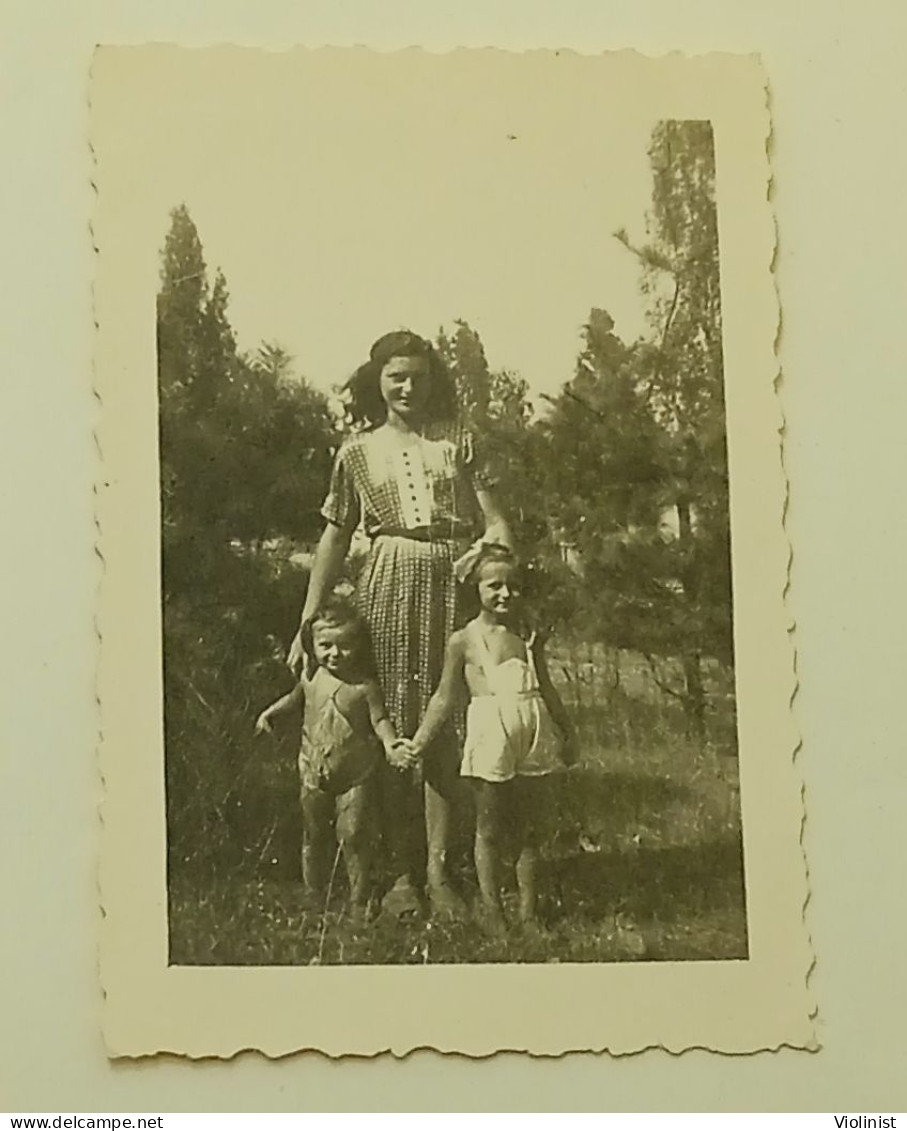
[415,498]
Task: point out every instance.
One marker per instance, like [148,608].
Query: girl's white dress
[509,732]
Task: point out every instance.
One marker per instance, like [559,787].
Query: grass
[642,855]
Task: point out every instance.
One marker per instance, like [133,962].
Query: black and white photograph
[446,544]
[507,732]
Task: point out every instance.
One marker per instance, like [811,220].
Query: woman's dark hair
[364,403]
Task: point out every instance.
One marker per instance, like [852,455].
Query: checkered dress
[415,498]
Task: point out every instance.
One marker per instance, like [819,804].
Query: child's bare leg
[355,812]
[490,800]
[527,801]
[316,837]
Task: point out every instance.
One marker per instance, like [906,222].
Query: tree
[245,446]
[495,405]
[245,450]
[604,490]
[683,380]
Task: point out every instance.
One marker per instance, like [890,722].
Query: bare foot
[359,914]
[445,903]
[402,901]
[532,926]
[491,919]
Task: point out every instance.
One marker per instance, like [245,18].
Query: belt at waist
[439,533]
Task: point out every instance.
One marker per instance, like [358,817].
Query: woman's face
[405,386]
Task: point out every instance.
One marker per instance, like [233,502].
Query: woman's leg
[385,599]
[403,829]
[491,798]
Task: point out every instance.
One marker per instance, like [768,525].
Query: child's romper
[333,758]
[509,732]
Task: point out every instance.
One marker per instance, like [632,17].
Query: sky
[342,202]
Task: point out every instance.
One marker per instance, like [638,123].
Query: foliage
[620,488]
[245,452]
[638,442]
[495,405]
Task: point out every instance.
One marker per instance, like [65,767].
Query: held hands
[402,753]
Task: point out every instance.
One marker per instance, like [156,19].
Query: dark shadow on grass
[593,801]
[669,885]
[688,899]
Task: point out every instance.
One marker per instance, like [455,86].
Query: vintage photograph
[445,565]
[448,644]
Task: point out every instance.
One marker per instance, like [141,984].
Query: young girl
[345,726]
[517,730]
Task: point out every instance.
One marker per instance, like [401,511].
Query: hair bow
[465,566]
[467,562]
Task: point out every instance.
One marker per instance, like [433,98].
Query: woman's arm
[496,527]
[330,554]
[442,703]
[333,546]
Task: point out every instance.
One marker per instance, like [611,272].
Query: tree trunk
[694,699]
[694,702]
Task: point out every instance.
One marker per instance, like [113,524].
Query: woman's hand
[296,654]
[298,659]
[498,534]
[496,527]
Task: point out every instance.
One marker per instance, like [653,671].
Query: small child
[517,729]
[344,727]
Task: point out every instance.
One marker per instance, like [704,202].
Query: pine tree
[495,406]
[245,446]
[245,454]
[682,376]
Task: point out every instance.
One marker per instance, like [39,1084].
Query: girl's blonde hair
[485,553]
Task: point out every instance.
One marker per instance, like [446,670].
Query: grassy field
[642,848]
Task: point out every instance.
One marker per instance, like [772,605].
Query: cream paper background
[735,1006]
[836,76]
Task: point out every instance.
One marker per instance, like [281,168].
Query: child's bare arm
[397,750]
[381,724]
[282,706]
[442,703]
